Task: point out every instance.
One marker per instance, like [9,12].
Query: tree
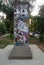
[41,12]
[41,26]
[10,11]
[7,24]
[9,15]
[1,5]
[38,23]
[2,28]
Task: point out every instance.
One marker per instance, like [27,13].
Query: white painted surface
[38,57]
[22,26]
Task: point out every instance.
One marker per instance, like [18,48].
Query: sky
[2,14]
[36,7]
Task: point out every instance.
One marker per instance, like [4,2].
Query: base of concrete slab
[21,52]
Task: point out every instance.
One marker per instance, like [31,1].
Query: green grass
[4,43]
[9,37]
[34,40]
[10,40]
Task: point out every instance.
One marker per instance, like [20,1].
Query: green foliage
[9,18]
[38,23]
[41,37]
[10,37]
[7,24]
[41,12]
[2,28]
[35,24]
[0,5]
[41,26]
[9,15]
[9,11]
[4,43]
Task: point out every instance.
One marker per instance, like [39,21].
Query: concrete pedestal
[21,52]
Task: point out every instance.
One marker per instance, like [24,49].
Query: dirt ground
[37,42]
[32,40]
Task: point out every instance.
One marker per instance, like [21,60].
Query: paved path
[5,35]
[38,57]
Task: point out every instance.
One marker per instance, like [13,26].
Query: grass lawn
[4,42]
[34,40]
[10,40]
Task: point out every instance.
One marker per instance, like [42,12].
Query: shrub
[41,37]
[2,28]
